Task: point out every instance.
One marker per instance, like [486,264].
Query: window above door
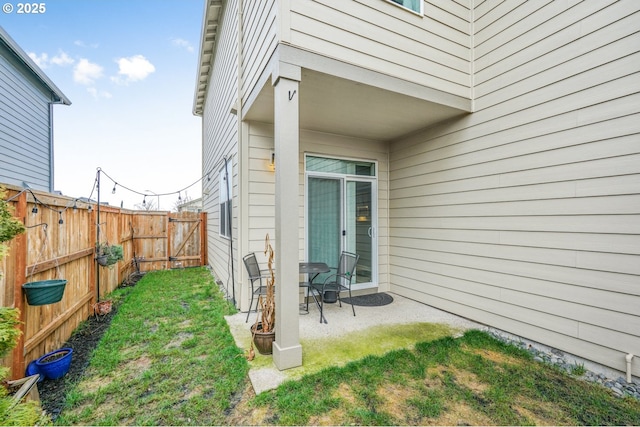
[413,5]
[340,166]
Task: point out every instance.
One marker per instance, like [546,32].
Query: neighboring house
[194,205]
[483,157]
[27,96]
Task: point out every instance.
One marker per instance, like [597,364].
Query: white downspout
[240,60]
[51,153]
[629,358]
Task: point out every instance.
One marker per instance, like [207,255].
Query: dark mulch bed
[83,341]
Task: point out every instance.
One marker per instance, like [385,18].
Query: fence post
[120,242]
[169,240]
[92,269]
[20,256]
[203,239]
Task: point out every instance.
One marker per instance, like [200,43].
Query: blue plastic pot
[32,369]
[55,365]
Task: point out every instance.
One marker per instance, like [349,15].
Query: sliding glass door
[359,227]
[340,212]
[324,207]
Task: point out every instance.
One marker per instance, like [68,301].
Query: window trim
[419,13]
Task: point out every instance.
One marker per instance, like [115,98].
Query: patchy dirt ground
[240,414]
[83,341]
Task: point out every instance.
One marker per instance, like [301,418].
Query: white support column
[287,351]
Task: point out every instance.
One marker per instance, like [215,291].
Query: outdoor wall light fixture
[272,165]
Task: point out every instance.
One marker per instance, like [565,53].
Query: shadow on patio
[373,331]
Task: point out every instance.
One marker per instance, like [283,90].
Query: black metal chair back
[338,282]
[253,270]
[347,267]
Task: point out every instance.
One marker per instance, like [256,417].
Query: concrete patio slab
[374,330]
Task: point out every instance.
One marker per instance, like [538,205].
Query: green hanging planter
[44,291]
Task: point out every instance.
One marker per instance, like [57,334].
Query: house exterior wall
[525,215]
[219,140]
[25,126]
[431,50]
[331,145]
[262,185]
[260,40]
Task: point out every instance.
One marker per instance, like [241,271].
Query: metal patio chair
[255,275]
[338,282]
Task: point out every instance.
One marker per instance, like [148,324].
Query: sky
[129,68]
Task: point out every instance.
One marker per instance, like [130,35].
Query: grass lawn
[472,380]
[169,359]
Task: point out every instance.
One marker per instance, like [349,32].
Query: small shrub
[12,412]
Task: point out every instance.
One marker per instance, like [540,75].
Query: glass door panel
[324,210]
[360,227]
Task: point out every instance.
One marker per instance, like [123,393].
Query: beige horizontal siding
[260,40]
[525,215]
[432,50]
[613,224]
[588,350]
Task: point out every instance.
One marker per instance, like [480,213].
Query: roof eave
[59,97]
[208,37]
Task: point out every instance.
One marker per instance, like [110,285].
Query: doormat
[371,300]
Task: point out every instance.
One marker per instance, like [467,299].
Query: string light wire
[73,202]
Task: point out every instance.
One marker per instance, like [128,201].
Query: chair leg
[351,299]
[318,304]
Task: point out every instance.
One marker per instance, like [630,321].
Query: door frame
[343,179]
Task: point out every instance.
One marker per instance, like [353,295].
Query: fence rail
[60,243]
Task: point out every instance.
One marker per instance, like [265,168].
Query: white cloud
[86,72]
[182,43]
[41,61]
[62,59]
[133,69]
[83,44]
[99,94]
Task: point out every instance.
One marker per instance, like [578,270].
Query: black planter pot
[330,297]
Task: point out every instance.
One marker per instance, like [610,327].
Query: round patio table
[312,270]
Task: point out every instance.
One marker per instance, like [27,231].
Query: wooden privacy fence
[60,243]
